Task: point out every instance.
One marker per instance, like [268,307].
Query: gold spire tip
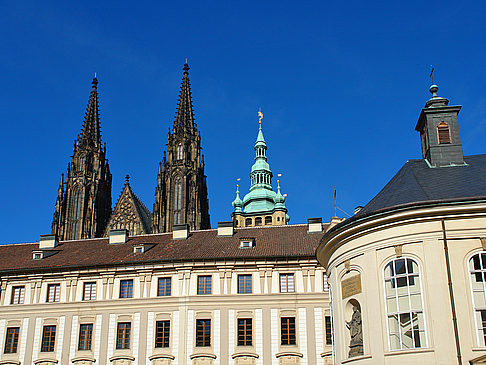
[260,117]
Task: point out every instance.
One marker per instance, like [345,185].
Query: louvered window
[89,291]
[287,283]
[444,133]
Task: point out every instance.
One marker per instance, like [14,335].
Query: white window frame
[477,327]
[419,276]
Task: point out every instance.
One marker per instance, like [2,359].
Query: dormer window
[247,243]
[443,133]
[38,255]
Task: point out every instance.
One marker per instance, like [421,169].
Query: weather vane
[260,116]
[432,74]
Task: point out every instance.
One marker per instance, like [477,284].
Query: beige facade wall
[309,304]
[364,248]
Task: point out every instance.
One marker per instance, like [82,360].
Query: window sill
[122,357]
[46,360]
[408,351]
[244,354]
[203,355]
[9,362]
[356,358]
[161,356]
[478,349]
[288,353]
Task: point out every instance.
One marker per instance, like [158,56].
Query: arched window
[477,270]
[443,133]
[258,221]
[82,161]
[248,222]
[177,200]
[268,220]
[404,308]
[179,151]
[77,210]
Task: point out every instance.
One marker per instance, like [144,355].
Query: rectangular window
[164,287]
[123,335]
[325,283]
[328,330]
[48,339]
[204,284]
[53,292]
[85,336]
[126,288]
[89,291]
[287,283]
[18,293]
[162,333]
[244,284]
[203,332]
[12,340]
[244,332]
[287,330]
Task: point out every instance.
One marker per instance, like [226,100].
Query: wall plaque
[351,286]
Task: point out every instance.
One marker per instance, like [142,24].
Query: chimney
[226,228]
[118,236]
[180,231]
[47,241]
[314,225]
[334,221]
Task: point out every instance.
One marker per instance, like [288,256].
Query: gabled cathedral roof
[130,212]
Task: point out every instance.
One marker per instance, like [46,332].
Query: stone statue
[355,330]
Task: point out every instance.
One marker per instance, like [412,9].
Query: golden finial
[260,116]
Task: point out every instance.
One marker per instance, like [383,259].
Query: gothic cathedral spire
[181,195]
[83,205]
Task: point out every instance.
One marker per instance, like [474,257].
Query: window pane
[18,293]
[85,336]
[244,332]
[162,334]
[204,284]
[123,335]
[244,284]
[48,338]
[164,288]
[12,340]
[404,305]
[203,332]
[126,288]
[53,292]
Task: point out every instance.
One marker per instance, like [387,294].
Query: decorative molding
[288,353]
[245,354]
[198,355]
[161,356]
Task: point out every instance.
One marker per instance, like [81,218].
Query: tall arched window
[179,151]
[177,200]
[404,307]
[477,270]
[77,210]
[443,133]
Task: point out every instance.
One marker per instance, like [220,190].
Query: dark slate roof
[417,183]
[290,241]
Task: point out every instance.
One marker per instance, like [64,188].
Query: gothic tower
[181,195]
[83,205]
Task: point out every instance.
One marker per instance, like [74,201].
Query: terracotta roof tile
[275,241]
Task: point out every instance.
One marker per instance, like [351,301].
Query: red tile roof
[274,241]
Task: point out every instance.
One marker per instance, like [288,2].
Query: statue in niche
[355,330]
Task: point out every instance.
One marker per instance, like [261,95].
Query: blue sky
[341,85]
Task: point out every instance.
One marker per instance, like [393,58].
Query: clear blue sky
[341,85]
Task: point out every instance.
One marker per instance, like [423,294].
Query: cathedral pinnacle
[184,122]
[91,133]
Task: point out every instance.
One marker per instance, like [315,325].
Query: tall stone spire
[261,206]
[83,205]
[184,121]
[91,132]
[181,195]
